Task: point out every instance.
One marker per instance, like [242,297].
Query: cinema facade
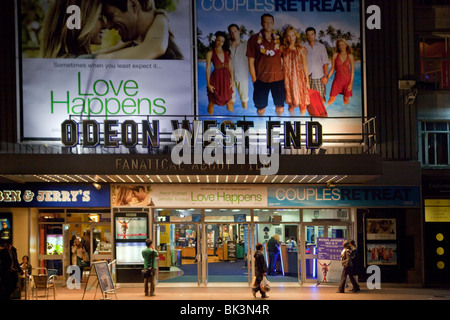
[104,165]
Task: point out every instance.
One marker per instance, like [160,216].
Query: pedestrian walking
[260,271]
[346,259]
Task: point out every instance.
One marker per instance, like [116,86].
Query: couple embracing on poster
[143,29]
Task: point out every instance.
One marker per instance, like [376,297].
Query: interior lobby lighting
[97,185]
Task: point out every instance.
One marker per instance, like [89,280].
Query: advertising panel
[56,196]
[100,62]
[310,196]
[248,48]
[122,68]
[255,196]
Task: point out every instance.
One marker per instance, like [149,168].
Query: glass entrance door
[178,235]
[315,235]
[227,247]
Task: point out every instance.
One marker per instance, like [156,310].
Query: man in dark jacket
[260,271]
[9,268]
[274,251]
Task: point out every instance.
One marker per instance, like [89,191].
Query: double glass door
[202,249]
[312,268]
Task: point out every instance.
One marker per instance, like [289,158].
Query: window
[435,61]
[434,144]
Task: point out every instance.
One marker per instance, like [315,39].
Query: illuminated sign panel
[116,76]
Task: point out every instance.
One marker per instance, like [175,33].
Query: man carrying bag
[260,273]
[148,273]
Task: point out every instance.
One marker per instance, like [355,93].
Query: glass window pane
[277,215]
[102,240]
[434,48]
[227,215]
[51,241]
[177,215]
[442,148]
[51,217]
[310,215]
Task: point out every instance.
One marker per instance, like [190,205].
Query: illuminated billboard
[129,68]
[117,63]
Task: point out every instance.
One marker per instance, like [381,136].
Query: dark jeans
[273,257]
[347,272]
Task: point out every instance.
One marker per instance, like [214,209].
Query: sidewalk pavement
[240,291]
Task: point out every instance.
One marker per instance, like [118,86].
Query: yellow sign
[437,203]
[437,214]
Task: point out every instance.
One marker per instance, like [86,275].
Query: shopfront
[207,233]
[49,220]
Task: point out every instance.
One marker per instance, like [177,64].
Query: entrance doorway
[227,252]
[178,235]
[314,234]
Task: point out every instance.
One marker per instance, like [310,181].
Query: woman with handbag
[150,265]
[260,272]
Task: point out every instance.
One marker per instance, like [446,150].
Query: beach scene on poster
[307,45]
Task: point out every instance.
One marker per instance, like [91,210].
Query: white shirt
[240,61]
[317,58]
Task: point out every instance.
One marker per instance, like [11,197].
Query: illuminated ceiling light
[110,178]
[41,178]
[97,185]
[332,179]
[92,179]
[81,178]
[70,178]
[61,178]
[120,178]
[341,179]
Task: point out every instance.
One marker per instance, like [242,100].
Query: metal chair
[43,280]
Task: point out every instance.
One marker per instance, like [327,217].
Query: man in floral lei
[264,61]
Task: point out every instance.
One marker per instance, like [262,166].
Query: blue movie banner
[56,196]
[311,196]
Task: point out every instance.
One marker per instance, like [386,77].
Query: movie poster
[100,62]
[262,56]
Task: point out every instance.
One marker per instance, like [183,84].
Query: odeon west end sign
[200,142]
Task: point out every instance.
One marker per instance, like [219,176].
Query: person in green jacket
[150,254]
